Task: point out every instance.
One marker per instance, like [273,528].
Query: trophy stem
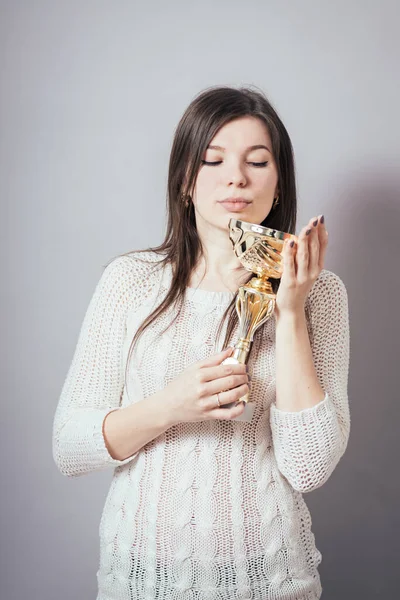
[241,351]
[261,284]
[254,307]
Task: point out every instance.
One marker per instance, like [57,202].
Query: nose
[236,175]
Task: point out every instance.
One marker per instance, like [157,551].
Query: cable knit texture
[211,510]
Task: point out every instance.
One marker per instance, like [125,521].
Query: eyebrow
[256,147]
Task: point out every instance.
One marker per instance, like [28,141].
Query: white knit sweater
[214,509]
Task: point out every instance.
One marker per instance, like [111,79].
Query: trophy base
[247,414]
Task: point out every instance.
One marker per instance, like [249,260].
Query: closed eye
[255,164]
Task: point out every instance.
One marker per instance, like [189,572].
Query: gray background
[90,94]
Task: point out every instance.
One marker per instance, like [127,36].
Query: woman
[203,506]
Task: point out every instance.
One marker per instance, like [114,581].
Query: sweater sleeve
[95,379]
[308,444]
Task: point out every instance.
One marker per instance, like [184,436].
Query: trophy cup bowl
[259,249]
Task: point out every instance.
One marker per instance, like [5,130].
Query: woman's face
[239,171]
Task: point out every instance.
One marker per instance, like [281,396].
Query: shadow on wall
[356,511]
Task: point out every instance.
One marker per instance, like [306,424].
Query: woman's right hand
[192,396]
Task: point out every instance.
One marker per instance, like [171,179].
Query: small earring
[275,202]
[186,199]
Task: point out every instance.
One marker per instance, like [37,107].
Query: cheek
[205,182]
[267,180]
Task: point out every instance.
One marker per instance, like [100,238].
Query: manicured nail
[292,243]
[315,223]
[322,219]
[308,231]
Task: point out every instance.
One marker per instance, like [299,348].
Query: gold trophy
[259,249]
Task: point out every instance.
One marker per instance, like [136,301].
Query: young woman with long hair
[203,506]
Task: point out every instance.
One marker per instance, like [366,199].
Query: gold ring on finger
[218,400]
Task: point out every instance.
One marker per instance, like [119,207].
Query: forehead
[242,132]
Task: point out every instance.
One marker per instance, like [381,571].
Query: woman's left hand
[302,265]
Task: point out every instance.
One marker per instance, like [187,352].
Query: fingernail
[249,377]
[322,219]
[308,231]
[315,223]
[292,243]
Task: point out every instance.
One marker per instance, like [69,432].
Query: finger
[302,254]
[219,371]
[216,359]
[227,414]
[229,396]
[323,241]
[289,265]
[226,384]
[313,248]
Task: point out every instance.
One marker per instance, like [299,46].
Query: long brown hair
[182,248]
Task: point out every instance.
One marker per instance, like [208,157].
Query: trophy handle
[232,360]
[249,408]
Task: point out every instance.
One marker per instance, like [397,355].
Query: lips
[238,199]
[235,205]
